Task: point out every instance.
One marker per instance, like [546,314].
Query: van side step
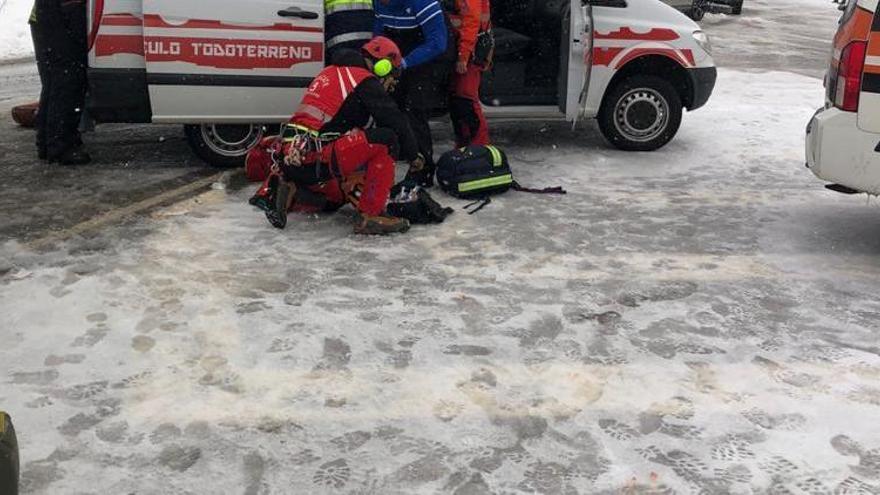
[842,189]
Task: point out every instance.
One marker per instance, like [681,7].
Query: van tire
[696,12]
[223,145]
[641,113]
[737,7]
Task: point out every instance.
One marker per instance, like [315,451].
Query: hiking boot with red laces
[381,225]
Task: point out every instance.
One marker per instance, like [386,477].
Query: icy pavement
[15,33]
[779,34]
[698,319]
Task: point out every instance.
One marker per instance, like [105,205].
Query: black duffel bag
[480,172]
[474,172]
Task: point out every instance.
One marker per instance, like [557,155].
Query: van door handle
[298,12]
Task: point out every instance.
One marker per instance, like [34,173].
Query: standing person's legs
[45,83]
[465,109]
[417,95]
[67,70]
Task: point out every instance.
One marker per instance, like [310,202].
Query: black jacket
[371,101]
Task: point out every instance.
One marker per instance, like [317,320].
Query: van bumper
[703,83]
[840,153]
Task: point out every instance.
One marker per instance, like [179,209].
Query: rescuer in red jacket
[469,18]
[328,157]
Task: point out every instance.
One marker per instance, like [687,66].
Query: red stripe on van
[604,56]
[121,20]
[119,44]
[156,21]
[625,33]
[683,57]
[224,53]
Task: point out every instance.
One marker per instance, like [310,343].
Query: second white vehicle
[843,137]
[227,68]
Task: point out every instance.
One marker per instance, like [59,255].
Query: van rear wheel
[223,145]
[737,7]
[641,113]
[696,12]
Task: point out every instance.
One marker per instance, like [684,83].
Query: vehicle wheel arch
[660,65]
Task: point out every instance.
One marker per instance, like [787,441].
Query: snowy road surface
[15,33]
[701,319]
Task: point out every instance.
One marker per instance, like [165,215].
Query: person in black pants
[419,28]
[348,25]
[60,33]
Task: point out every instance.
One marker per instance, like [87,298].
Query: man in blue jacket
[419,29]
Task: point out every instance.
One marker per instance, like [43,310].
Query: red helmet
[381,48]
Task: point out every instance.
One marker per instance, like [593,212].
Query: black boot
[72,157]
[281,196]
[423,178]
[261,202]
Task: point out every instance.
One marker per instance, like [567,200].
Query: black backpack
[474,172]
[479,172]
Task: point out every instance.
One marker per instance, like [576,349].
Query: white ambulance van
[843,138]
[227,69]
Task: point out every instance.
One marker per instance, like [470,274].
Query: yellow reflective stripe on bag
[497,159]
[2,423]
[501,180]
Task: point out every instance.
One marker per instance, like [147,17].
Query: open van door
[577,63]
[869,98]
[230,61]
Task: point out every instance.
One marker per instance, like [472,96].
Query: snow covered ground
[776,33]
[698,319]
[15,33]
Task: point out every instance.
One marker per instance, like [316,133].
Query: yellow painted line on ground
[118,214]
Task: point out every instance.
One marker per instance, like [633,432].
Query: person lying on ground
[328,156]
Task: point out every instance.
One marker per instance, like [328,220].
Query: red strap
[546,190]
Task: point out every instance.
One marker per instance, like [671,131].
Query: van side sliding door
[230,61]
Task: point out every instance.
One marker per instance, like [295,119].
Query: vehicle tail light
[849,76]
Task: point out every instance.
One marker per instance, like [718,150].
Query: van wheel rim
[641,115]
[231,140]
